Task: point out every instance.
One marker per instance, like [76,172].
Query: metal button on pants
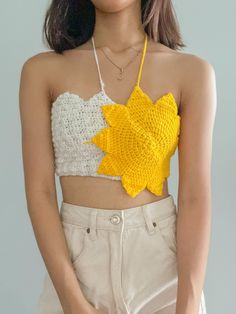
[124,260]
[115,219]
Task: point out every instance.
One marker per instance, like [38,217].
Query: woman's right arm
[39,179]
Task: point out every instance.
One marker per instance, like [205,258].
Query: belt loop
[93,225]
[150,225]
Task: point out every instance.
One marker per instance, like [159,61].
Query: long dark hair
[70,23]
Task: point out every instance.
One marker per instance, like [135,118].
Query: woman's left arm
[197,110]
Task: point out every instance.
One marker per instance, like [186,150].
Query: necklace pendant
[120,77]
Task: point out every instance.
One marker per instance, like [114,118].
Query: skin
[191,80]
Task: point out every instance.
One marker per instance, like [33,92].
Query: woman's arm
[37,152]
[198,108]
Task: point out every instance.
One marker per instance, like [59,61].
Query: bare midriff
[104,193]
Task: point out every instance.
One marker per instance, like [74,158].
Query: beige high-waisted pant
[125,259]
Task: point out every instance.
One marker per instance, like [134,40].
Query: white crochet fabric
[73,121]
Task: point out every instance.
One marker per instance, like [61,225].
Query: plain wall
[208,30]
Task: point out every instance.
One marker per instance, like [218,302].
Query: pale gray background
[208,28]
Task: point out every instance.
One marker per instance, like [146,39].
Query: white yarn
[73,121]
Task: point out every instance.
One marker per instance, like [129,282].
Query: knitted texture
[139,141]
[132,143]
[74,120]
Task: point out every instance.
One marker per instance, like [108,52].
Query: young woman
[105,110]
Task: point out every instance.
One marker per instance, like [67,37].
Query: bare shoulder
[189,73]
[197,78]
[194,67]
[42,63]
[186,64]
[197,81]
[38,73]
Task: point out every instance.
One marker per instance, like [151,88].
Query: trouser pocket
[75,238]
[165,233]
[167,229]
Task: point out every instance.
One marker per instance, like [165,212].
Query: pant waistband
[117,219]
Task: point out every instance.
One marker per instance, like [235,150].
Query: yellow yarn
[140,139]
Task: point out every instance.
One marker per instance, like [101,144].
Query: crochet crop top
[132,143]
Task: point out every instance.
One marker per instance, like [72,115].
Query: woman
[105,110]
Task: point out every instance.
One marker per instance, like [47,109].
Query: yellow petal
[107,140]
[168,100]
[132,185]
[101,139]
[114,113]
[110,165]
[155,187]
[138,104]
[138,95]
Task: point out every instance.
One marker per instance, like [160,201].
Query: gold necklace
[121,69]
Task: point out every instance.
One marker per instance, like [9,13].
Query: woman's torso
[75,71]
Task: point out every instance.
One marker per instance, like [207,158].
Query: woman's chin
[112,6]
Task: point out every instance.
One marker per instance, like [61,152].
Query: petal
[110,165]
[112,140]
[132,185]
[138,104]
[168,100]
[114,113]
[101,139]
[156,180]
[168,124]
[155,187]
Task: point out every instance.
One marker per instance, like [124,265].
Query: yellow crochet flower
[139,141]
